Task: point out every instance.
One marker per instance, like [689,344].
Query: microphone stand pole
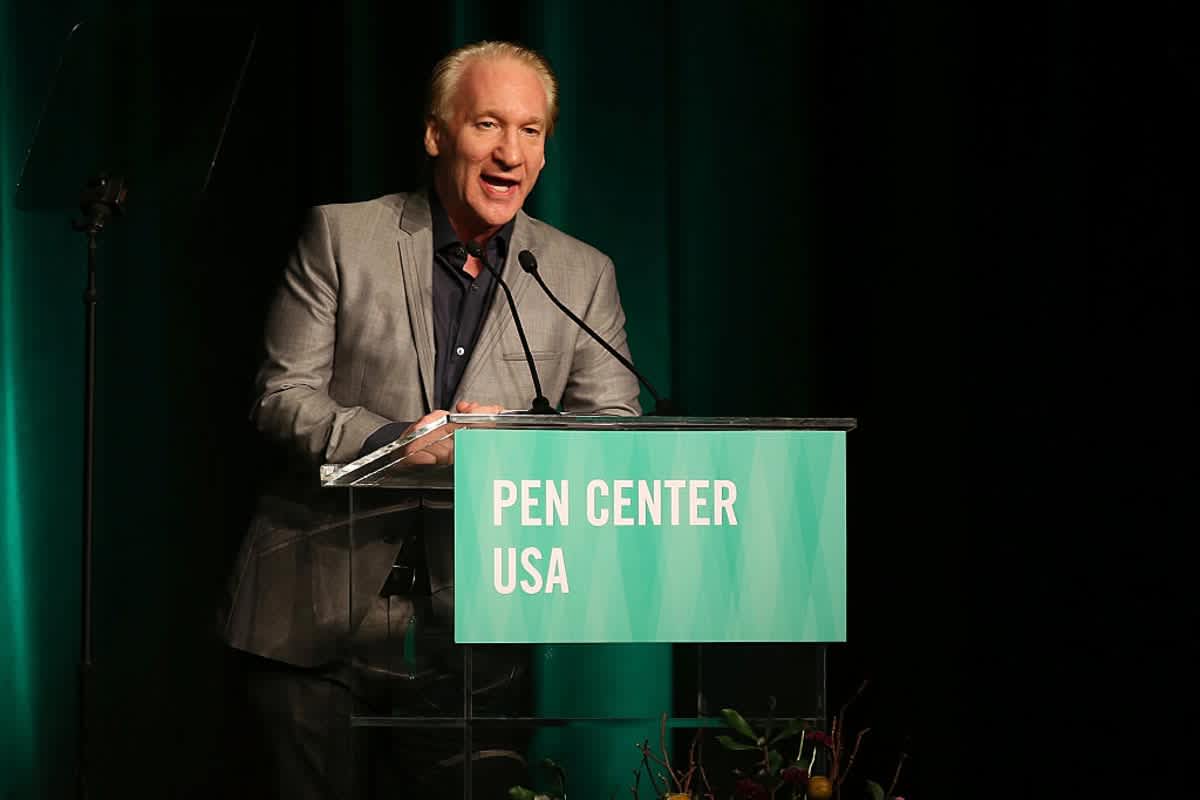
[103,198]
[540,404]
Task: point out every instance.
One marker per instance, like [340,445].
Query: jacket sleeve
[598,383]
[293,405]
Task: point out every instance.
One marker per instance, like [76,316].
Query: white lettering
[696,502]
[596,518]
[504,587]
[504,494]
[528,556]
[557,575]
[673,487]
[650,502]
[726,497]
[556,503]
[528,503]
[621,500]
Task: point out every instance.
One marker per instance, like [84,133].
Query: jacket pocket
[538,355]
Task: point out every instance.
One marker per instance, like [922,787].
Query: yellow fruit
[820,788]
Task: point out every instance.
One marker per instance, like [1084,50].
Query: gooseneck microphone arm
[540,404]
[662,405]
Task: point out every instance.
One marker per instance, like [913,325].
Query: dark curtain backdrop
[973,231]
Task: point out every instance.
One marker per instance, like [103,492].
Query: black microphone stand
[540,404]
[663,407]
[102,199]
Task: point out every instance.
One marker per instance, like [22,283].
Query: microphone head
[528,262]
[474,250]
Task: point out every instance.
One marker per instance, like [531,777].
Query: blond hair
[448,72]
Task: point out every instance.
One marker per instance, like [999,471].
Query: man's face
[490,151]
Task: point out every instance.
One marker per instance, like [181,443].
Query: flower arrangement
[817,771]
[773,775]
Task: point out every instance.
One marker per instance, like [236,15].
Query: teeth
[502,188]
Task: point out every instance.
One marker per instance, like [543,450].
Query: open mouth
[498,185]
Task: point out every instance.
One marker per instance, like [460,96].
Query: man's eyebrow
[498,115]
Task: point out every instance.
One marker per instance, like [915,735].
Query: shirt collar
[444,235]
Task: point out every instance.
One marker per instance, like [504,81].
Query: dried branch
[835,745]
[862,687]
[708,790]
[839,723]
[646,756]
[853,755]
[692,762]
[896,776]
[662,745]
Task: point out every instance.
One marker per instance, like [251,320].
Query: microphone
[662,406]
[540,404]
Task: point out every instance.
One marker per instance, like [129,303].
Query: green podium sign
[570,536]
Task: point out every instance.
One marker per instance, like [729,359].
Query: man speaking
[387,318]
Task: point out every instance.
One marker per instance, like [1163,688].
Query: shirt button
[460,350]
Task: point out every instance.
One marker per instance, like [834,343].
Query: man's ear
[432,132]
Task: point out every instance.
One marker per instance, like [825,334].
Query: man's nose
[508,151]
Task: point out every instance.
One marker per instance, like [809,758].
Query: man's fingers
[435,447]
[425,420]
[428,450]
[421,457]
[472,407]
[443,451]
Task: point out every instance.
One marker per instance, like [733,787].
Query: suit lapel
[415,249]
[499,318]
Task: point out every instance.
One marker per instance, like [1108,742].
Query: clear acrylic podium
[439,718]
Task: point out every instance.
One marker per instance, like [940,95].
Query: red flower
[818,736]
[795,776]
[749,789]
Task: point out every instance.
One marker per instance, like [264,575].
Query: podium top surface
[388,466]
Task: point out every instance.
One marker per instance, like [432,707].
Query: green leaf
[774,761]
[735,720]
[793,727]
[521,793]
[729,743]
[875,790]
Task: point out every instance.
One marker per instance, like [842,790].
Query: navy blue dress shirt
[460,304]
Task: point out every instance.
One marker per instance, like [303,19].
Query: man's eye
[532,131]
[486,124]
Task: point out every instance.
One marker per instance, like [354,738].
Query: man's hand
[437,447]
[471,407]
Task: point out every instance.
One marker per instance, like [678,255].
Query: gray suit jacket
[349,348]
